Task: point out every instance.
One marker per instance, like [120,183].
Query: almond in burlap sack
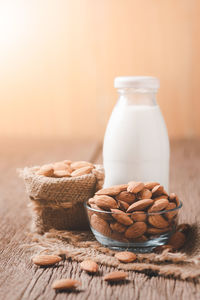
[58,203]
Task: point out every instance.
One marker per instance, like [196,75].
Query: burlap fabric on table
[80,245]
[58,202]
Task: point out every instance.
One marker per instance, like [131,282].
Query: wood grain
[19,279]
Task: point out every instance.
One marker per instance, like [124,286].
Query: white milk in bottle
[136,144]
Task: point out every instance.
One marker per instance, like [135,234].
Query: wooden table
[19,279]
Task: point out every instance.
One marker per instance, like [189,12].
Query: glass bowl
[147,231]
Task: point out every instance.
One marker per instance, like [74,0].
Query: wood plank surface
[19,279]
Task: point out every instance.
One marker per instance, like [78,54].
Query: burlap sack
[58,202]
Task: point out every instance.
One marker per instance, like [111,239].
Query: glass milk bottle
[136,144]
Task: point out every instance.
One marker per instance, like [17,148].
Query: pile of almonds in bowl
[65,168]
[89,266]
[133,215]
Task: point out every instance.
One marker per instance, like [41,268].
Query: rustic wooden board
[19,279]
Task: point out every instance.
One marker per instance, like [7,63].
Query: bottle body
[136,144]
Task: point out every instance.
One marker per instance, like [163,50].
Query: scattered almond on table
[66,168]
[46,260]
[67,284]
[185,228]
[89,266]
[177,240]
[160,249]
[115,276]
[126,256]
[175,243]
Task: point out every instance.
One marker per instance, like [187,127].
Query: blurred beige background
[58,60]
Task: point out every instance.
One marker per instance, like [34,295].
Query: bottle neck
[137,97]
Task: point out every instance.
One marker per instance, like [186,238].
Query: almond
[91,201]
[160,249]
[123,187]
[105,216]
[165,193]
[118,227]
[150,185]
[185,228]
[169,215]
[46,170]
[177,201]
[158,190]
[113,190]
[160,197]
[126,197]
[145,194]
[135,187]
[159,205]
[46,260]
[177,240]
[67,162]
[140,239]
[115,276]
[158,221]
[95,207]
[60,166]
[123,205]
[121,217]
[174,198]
[61,173]
[138,216]
[105,202]
[118,237]
[136,230]
[65,284]
[155,231]
[81,164]
[100,225]
[82,171]
[140,205]
[89,266]
[126,256]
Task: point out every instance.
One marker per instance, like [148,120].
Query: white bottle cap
[137,82]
